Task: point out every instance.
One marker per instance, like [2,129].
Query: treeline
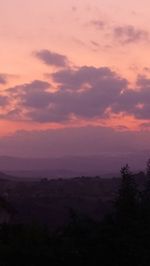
[121,238]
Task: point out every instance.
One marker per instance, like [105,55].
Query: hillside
[50,201]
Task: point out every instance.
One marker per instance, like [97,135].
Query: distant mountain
[70,166]
[5,177]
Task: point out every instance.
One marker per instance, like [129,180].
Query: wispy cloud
[130,34]
[51,58]
[124,34]
[98,24]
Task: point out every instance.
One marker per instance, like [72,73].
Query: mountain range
[71,166]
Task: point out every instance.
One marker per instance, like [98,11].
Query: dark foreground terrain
[50,202]
[86,221]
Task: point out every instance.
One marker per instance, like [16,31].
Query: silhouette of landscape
[81,220]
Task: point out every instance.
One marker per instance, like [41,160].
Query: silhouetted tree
[145,203]
[127,200]
[147,187]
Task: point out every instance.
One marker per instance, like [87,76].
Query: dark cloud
[143,82]
[32,86]
[102,77]
[51,58]
[129,34]
[84,92]
[47,115]
[34,94]
[3,100]
[136,102]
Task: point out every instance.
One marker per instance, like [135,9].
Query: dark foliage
[121,238]
[126,204]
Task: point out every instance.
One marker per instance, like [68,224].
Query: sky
[74,77]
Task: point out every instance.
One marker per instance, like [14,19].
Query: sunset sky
[74,73]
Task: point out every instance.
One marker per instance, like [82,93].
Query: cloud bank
[85,92]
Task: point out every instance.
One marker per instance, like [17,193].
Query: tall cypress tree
[146,194]
[127,198]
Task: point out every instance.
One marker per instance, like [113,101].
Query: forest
[121,236]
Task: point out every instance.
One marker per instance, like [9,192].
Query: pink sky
[66,27]
[59,57]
